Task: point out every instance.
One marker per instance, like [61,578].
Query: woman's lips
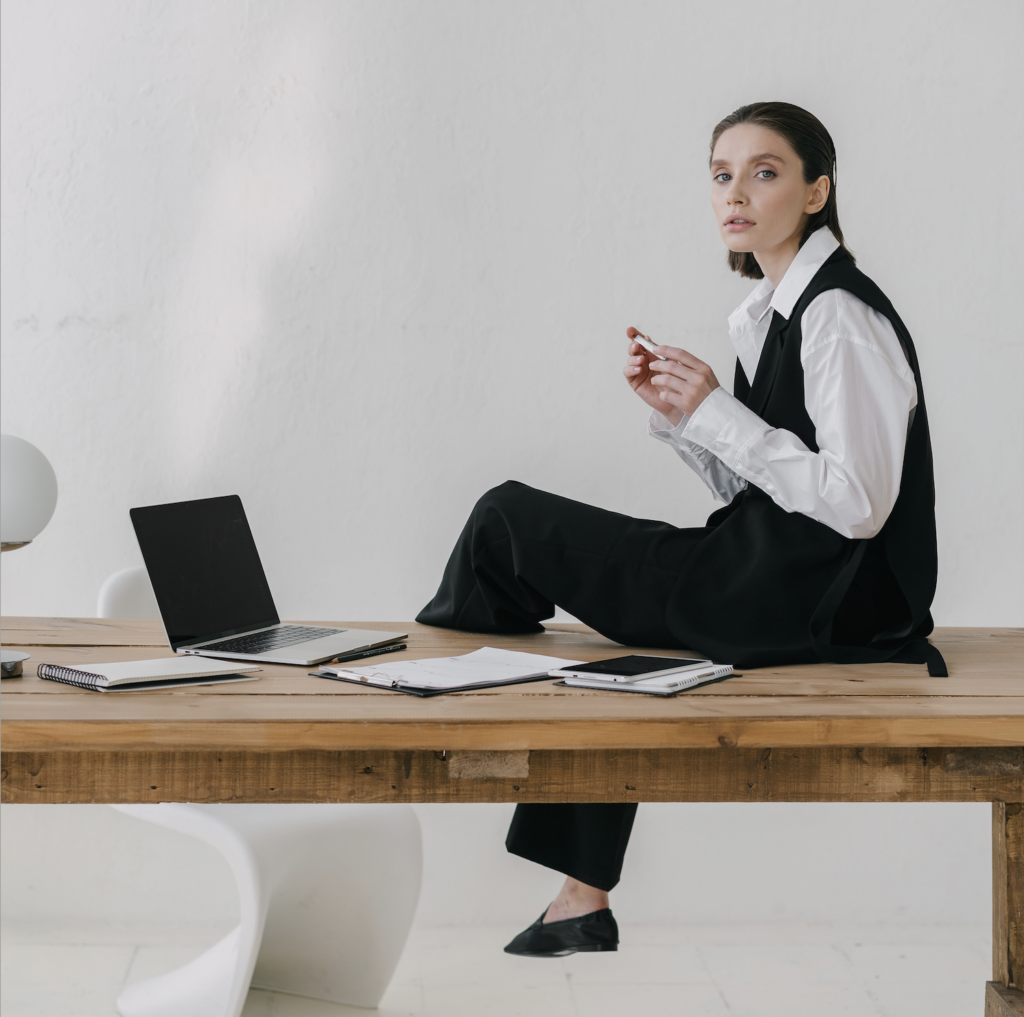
[738,225]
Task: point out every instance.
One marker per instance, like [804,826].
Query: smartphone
[645,342]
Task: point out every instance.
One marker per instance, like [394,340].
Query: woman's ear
[818,196]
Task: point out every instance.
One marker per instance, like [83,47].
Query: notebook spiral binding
[68,675]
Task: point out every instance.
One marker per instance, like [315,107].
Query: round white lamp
[28,496]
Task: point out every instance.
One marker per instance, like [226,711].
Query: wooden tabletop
[980,704]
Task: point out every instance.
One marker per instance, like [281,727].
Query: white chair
[127,594]
[327,895]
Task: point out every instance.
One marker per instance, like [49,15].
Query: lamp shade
[28,490]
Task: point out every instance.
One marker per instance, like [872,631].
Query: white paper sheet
[483,666]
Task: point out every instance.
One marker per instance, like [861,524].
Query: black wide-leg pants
[523,552]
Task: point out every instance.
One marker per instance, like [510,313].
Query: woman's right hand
[638,373]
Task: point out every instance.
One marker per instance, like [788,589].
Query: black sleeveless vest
[765,586]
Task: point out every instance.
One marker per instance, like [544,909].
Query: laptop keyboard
[271,639]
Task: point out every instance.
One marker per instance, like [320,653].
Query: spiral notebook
[137,675]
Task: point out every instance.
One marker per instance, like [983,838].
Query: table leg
[1004,996]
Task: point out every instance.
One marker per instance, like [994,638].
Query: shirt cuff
[660,427]
[723,425]
[660,424]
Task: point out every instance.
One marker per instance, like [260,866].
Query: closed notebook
[161,673]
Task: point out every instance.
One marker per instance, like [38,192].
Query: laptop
[213,594]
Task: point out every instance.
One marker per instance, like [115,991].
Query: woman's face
[758,190]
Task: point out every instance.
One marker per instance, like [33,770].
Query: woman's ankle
[575,899]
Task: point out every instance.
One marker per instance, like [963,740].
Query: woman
[825,549]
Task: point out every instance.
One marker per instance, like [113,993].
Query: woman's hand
[673,387]
[638,373]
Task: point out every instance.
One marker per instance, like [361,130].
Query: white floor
[782,970]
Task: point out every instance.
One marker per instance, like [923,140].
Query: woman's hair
[807,137]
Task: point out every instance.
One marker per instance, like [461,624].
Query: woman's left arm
[858,392]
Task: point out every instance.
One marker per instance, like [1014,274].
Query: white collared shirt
[858,391]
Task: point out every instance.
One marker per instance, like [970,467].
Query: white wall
[696,864]
[358,262]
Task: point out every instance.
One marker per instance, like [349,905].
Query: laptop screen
[204,567]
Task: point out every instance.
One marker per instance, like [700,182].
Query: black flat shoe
[586,934]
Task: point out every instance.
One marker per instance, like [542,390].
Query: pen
[366,653]
[643,340]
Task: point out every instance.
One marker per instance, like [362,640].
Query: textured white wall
[358,262]
[709,863]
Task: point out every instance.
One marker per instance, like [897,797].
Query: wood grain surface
[980,704]
[1008,893]
[1003,1002]
[580,775]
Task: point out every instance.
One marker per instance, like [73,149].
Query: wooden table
[881,732]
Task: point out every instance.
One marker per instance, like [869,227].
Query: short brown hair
[807,137]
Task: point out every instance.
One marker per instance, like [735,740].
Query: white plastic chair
[127,594]
[327,894]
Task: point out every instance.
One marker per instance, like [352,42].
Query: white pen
[644,340]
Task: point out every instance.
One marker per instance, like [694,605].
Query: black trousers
[521,553]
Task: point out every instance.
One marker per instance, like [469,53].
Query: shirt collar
[753,308]
[815,252]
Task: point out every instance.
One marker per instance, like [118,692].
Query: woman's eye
[761,174]
[722,177]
